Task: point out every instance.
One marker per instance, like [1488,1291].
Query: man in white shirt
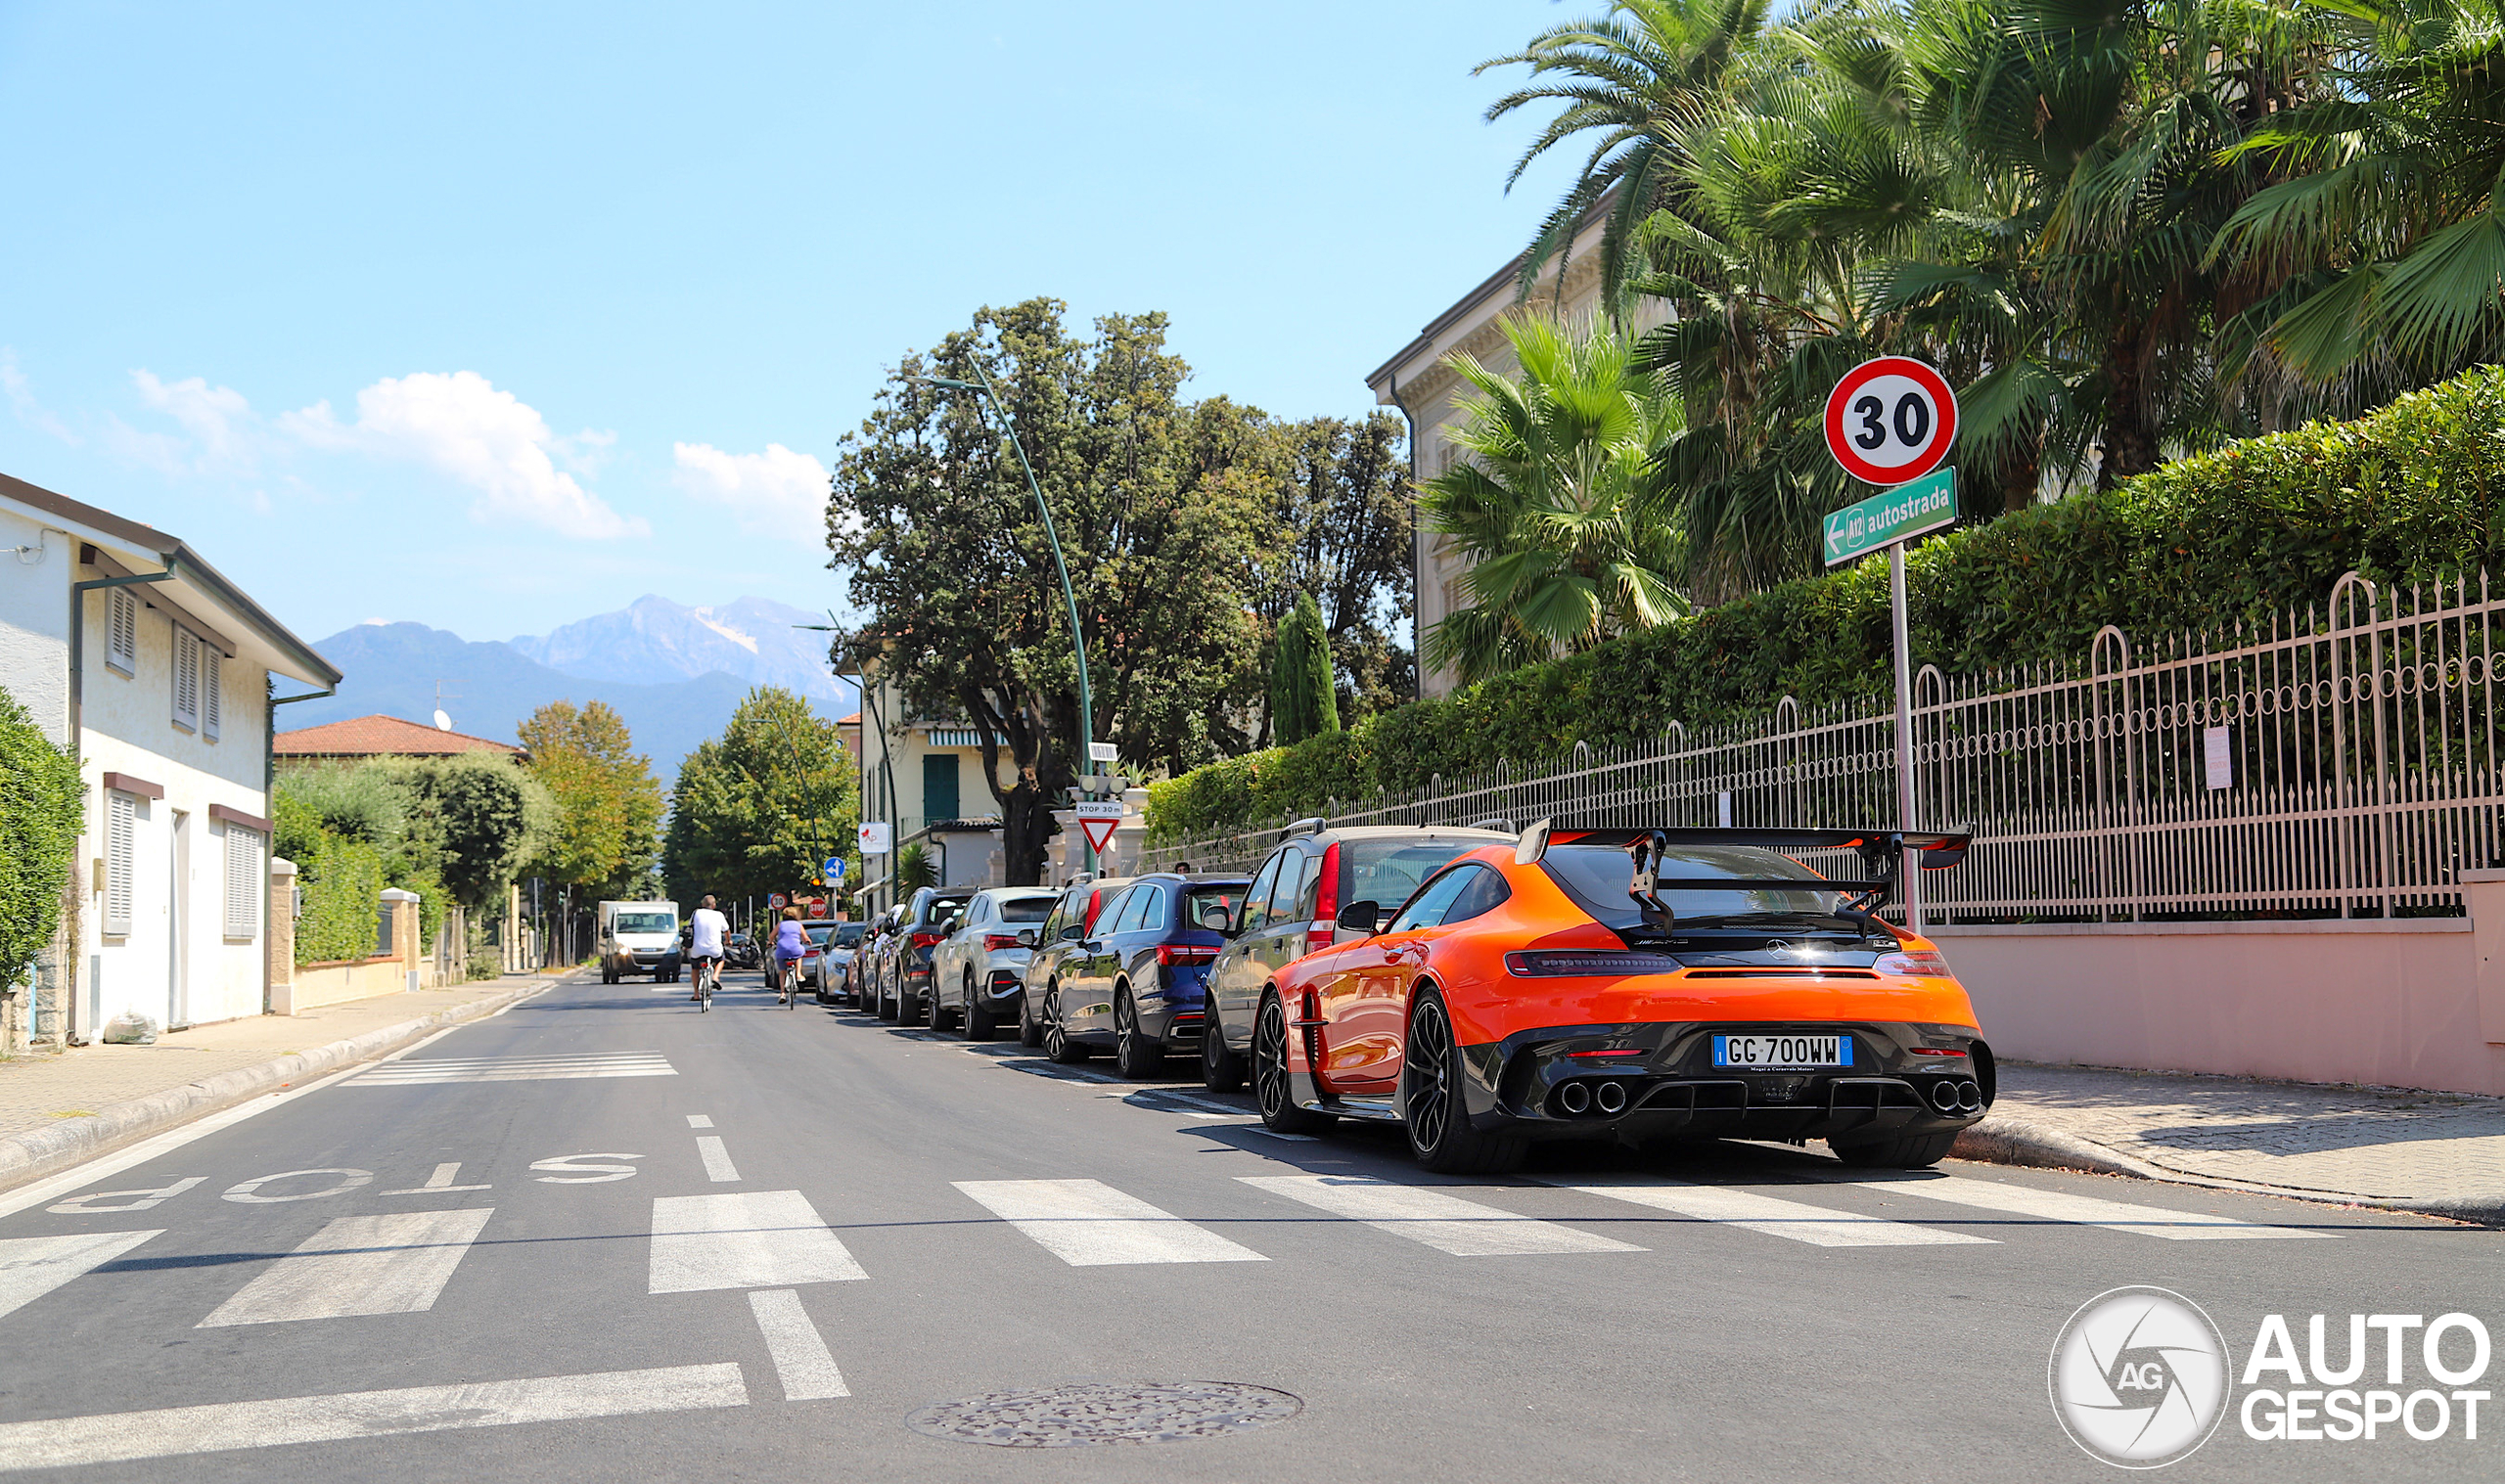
[705,930]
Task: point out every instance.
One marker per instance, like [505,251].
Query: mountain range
[673,673]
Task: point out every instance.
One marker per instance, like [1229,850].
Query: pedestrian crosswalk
[1434,1218]
[1088,1224]
[405,1073]
[394,1264]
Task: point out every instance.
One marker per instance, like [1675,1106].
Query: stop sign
[1891,420]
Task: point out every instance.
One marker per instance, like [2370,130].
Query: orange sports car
[1633,984]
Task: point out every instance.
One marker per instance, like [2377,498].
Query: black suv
[918,932]
[1132,979]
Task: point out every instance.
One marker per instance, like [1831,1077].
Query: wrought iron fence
[2344,763]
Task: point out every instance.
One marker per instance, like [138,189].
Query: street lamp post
[1077,637]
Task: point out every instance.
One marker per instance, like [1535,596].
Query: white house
[128,646]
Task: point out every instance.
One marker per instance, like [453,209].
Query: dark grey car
[1292,909]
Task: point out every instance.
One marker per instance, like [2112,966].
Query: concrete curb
[2012,1141]
[34,1153]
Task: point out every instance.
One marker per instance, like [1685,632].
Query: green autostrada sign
[1892,516]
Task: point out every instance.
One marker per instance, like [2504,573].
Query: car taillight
[1184,953]
[1934,1051]
[1573,964]
[1921,963]
[993,942]
[926,940]
[1325,905]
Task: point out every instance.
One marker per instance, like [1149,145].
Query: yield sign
[1099,819]
[1099,832]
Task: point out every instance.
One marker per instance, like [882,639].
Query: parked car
[1292,909]
[1067,924]
[861,976]
[1133,983]
[908,962]
[881,980]
[1634,984]
[834,961]
[978,970]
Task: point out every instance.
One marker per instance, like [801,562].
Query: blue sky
[497,316]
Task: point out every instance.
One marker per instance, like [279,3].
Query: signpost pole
[1910,868]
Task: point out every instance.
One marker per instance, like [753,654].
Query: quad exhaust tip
[1609,1098]
[1944,1097]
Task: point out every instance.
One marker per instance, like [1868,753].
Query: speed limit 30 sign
[1892,421]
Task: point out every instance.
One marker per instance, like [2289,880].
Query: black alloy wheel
[978,1023]
[936,1017]
[1431,1102]
[1057,1045]
[888,1006]
[1031,1031]
[1221,1070]
[1137,1055]
[1271,1087]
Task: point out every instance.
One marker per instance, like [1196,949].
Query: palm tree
[2386,247]
[1556,504]
[1631,82]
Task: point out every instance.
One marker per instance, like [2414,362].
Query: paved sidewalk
[2441,1152]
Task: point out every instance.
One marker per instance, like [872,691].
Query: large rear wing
[1881,851]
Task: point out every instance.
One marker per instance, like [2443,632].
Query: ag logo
[2139,1377]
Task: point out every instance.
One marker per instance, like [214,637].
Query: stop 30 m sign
[1891,420]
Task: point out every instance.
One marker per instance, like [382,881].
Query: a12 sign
[1892,421]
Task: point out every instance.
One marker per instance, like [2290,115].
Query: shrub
[342,882]
[41,797]
[2239,536]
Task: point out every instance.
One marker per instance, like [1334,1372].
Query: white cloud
[22,400]
[777,492]
[218,418]
[493,442]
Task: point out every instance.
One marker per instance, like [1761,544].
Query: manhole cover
[1110,1411]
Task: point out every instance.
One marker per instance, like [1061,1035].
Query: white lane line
[395,1264]
[174,1431]
[717,1159]
[748,1240]
[1088,1224]
[2080,1210]
[79,1177]
[801,1360]
[1437,1218]
[438,1182]
[31,1266]
[1818,1226]
[699,1121]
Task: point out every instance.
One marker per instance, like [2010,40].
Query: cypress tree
[1304,701]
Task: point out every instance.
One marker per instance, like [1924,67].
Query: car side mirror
[1216,919]
[1361,916]
[1025,937]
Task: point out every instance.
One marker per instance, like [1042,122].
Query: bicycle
[707,972]
[791,983]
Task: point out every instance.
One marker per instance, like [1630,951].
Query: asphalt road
[600,1235]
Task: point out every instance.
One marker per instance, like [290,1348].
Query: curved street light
[1077,637]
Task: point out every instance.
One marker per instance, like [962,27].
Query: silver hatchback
[978,970]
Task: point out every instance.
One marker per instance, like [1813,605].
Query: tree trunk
[2131,440]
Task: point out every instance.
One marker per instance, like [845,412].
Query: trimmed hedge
[2239,536]
[41,797]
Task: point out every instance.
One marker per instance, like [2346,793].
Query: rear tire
[936,1016]
[1906,1152]
[980,1024]
[1271,1087]
[1432,1106]
[1057,1045]
[1136,1055]
[1031,1031]
[1221,1070]
[888,1008]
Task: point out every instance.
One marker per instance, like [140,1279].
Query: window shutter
[186,681]
[244,871]
[122,827]
[212,671]
[121,630]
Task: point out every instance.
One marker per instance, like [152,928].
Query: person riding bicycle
[790,945]
[705,930]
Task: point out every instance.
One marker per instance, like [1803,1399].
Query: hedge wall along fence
[39,816]
[2238,536]
[342,881]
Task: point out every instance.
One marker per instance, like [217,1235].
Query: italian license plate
[1784,1051]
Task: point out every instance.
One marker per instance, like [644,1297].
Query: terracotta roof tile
[380,737]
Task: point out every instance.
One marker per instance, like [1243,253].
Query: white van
[638,938]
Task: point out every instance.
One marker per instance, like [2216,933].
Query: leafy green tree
[1339,509]
[760,807]
[949,565]
[484,811]
[1555,505]
[914,870]
[608,805]
[39,817]
[1304,695]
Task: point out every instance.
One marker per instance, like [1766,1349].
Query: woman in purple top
[791,943]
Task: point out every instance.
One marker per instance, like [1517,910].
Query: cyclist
[791,943]
[706,928]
